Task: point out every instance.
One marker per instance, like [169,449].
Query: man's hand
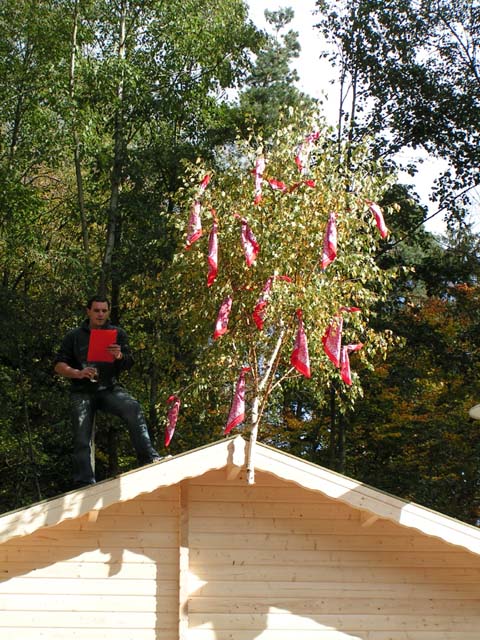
[115,350]
[89,372]
[63,369]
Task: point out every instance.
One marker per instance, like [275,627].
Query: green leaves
[270,88]
[289,227]
[415,65]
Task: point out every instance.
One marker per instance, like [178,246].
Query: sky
[315,74]
[315,79]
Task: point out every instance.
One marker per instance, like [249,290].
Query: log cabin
[187,549]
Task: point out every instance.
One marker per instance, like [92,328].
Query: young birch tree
[286,207]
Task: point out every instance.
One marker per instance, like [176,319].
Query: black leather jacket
[73,351]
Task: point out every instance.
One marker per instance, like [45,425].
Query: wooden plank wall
[115,578]
[270,562]
[276,562]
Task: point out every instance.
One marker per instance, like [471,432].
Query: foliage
[417,72]
[269,89]
[289,227]
[414,437]
[61,100]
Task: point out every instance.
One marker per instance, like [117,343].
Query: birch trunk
[118,158]
[76,140]
[258,406]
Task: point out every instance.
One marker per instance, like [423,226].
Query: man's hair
[97,298]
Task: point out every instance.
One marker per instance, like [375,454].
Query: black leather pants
[117,402]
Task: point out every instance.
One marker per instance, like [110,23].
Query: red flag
[379,221]
[299,358]
[204,184]
[258,173]
[345,361]
[330,241]
[212,252]
[173,409]
[237,409]
[277,185]
[259,311]
[350,309]
[194,225]
[221,325]
[332,340]
[249,243]
[295,185]
[303,153]
[194,230]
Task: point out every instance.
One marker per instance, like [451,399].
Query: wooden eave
[231,454]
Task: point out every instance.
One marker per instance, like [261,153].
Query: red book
[100,339]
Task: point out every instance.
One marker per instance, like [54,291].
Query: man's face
[98,314]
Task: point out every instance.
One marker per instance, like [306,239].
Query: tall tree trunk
[113,435]
[19,106]
[118,159]
[153,427]
[333,428]
[353,113]
[34,472]
[113,227]
[341,111]
[76,140]
[341,444]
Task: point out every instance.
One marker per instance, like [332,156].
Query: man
[95,387]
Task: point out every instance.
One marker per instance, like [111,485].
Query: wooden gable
[187,549]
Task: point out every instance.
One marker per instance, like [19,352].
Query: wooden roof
[231,454]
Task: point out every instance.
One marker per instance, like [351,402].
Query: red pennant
[332,340]
[194,225]
[304,150]
[221,325]
[204,184]
[350,309]
[249,243]
[213,252]
[299,358]
[259,311]
[260,307]
[345,361]
[330,241]
[173,409]
[258,173]
[295,185]
[277,185]
[237,409]
[379,221]
[194,230]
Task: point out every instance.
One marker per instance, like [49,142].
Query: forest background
[111,114]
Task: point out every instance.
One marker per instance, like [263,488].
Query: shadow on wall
[270,561]
[111,571]
[275,562]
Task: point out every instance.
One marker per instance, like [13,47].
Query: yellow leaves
[289,227]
